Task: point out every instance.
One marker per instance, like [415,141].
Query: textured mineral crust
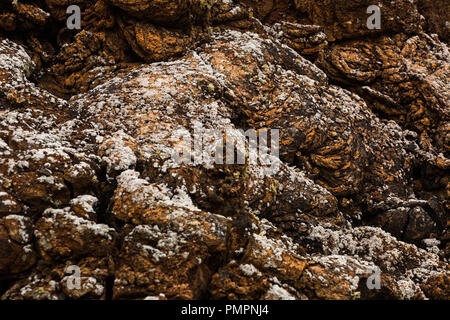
[90,120]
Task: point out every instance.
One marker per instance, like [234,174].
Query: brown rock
[92,123]
[16,250]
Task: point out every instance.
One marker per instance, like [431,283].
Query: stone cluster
[87,177]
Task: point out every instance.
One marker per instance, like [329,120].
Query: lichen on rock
[90,121]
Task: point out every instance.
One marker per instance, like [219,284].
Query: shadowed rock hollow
[87,123]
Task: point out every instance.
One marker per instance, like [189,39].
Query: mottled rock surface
[90,121]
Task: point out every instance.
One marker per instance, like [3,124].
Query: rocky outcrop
[92,123]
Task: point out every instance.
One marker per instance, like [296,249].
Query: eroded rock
[90,179]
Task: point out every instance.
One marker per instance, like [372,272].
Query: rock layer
[90,120]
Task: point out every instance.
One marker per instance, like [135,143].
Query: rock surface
[90,121]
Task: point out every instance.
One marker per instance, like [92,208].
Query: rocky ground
[87,178]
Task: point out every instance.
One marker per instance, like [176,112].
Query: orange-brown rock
[98,174]
[16,249]
[343,19]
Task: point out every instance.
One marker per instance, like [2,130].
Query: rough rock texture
[90,121]
[343,19]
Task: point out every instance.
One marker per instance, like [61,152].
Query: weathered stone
[16,250]
[91,122]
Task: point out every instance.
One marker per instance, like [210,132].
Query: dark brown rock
[90,121]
